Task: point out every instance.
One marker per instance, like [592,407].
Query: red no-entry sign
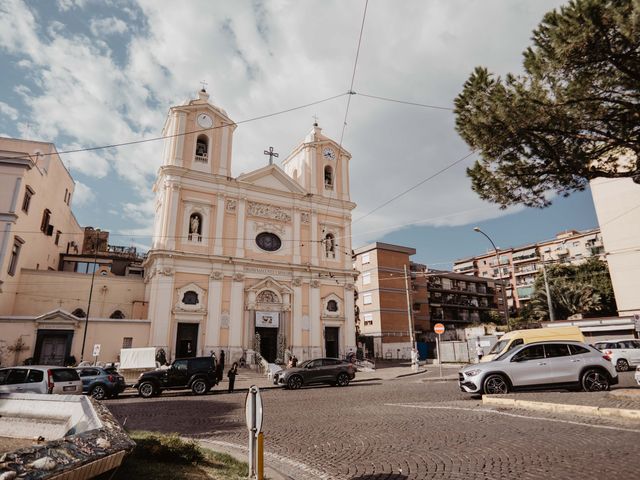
[438,328]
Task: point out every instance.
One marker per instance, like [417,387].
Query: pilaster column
[296,313]
[350,319]
[315,321]
[240,230]
[172,219]
[161,303]
[237,312]
[219,230]
[345,177]
[214,311]
[297,236]
[181,122]
[313,244]
[345,244]
[311,162]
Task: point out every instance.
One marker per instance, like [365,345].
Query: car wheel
[342,380]
[295,382]
[146,390]
[98,392]
[199,386]
[495,385]
[622,365]
[594,381]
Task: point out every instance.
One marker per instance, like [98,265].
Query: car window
[180,365]
[35,376]
[3,375]
[577,349]
[17,375]
[621,345]
[202,363]
[629,344]
[89,372]
[533,352]
[64,375]
[599,346]
[553,350]
[315,364]
[635,344]
[329,362]
[515,343]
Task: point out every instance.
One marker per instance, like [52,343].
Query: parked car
[514,338]
[553,364]
[320,370]
[624,353]
[40,379]
[100,382]
[637,375]
[198,374]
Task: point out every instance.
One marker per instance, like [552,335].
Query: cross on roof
[315,120]
[204,84]
[271,154]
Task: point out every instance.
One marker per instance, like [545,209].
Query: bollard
[260,457]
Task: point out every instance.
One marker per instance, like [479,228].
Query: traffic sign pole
[438,328]
[253,418]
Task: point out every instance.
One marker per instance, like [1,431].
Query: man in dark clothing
[232,376]
[220,366]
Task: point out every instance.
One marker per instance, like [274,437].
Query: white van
[518,337]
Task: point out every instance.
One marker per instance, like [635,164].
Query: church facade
[258,263]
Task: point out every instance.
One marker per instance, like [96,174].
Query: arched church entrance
[268,324]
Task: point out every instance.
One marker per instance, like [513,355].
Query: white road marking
[274,456]
[496,412]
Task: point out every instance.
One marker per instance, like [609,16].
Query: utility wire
[405,102]
[421,182]
[163,137]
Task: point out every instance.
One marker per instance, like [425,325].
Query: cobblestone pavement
[398,429]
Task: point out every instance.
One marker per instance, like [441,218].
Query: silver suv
[551,364]
[624,353]
[40,379]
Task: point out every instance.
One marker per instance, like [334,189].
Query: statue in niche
[267,296]
[194,224]
[330,246]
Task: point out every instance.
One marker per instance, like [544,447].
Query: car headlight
[472,373]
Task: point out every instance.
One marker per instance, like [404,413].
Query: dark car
[198,374]
[319,370]
[100,382]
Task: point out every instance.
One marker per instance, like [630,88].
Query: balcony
[201,158]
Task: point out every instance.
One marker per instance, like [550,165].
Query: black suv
[198,374]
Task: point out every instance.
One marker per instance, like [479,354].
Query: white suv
[624,353]
[40,379]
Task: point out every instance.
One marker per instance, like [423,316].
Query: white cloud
[263,58]
[83,194]
[9,111]
[107,26]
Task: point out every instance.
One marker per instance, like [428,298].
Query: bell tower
[320,166]
[199,137]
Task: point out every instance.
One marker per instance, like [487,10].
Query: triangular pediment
[272,177]
[269,283]
[58,317]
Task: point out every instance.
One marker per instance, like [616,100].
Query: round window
[268,241]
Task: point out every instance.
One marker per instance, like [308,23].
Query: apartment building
[389,306]
[518,266]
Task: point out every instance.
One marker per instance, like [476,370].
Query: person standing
[220,366]
[479,351]
[232,376]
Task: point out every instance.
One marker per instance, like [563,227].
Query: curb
[443,379]
[592,411]
[411,374]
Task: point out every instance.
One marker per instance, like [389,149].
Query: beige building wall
[44,303]
[617,203]
[33,169]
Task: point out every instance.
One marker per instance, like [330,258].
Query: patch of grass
[166,456]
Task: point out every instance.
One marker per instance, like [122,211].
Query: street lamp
[504,288]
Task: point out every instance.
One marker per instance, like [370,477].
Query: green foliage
[574,115]
[575,289]
[166,456]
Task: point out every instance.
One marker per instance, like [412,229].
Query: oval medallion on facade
[268,241]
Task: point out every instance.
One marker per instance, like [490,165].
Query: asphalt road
[398,429]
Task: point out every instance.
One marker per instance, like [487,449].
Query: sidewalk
[619,403]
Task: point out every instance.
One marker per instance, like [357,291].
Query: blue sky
[85,73]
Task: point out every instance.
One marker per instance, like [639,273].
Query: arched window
[195,227]
[328,177]
[332,306]
[46,218]
[117,314]
[330,245]
[190,298]
[202,149]
[78,312]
